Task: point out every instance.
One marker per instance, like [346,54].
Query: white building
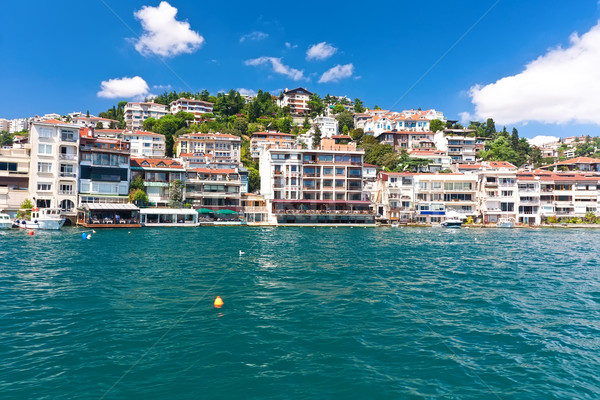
[137,113]
[145,144]
[297,99]
[18,125]
[375,122]
[54,164]
[327,125]
[196,107]
[4,125]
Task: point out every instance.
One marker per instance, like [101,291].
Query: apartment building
[460,144]
[136,113]
[316,186]
[499,192]
[103,169]
[297,100]
[14,177]
[214,189]
[157,173]
[196,107]
[4,125]
[54,164]
[394,197]
[216,149]
[91,122]
[145,144]
[328,126]
[270,140]
[376,122]
[437,194]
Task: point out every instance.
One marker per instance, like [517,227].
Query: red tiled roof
[144,133]
[579,160]
[470,166]
[54,121]
[273,133]
[154,163]
[110,130]
[369,165]
[501,164]
[341,137]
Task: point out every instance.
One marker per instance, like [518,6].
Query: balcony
[67,192]
[68,157]
[68,175]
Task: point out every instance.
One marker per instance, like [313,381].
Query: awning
[167,211]
[205,211]
[226,212]
[110,206]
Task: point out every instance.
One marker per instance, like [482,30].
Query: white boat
[453,220]
[505,223]
[5,222]
[42,218]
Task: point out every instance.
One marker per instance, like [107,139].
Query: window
[510,207]
[327,171]
[339,171]
[44,148]
[422,185]
[325,158]
[65,189]
[66,170]
[506,193]
[293,168]
[327,183]
[339,183]
[8,166]
[436,185]
[68,136]
[44,187]
[278,156]
[45,168]
[45,132]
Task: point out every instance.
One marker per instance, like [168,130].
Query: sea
[308,313]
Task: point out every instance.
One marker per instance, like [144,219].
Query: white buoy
[89,236]
[242,253]
[93,231]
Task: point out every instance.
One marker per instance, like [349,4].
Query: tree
[316,137]
[253,180]
[285,124]
[137,183]
[436,125]
[359,106]
[315,105]
[338,109]
[138,197]
[25,209]
[99,125]
[176,194]
[345,118]
[500,150]
[490,127]
[514,139]
[87,114]
[376,107]
[357,135]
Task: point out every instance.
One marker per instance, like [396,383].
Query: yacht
[505,223]
[42,218]
[5,222]
[453,220]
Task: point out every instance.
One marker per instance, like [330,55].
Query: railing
[326,212]
[68,174]
[68,139]
[71,157]
[66,192]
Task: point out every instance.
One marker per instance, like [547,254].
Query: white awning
[110,207]
[168,211]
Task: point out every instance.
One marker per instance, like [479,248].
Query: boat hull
[44,224]
[454,225]
[6,225]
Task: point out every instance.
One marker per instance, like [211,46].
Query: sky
[533,65]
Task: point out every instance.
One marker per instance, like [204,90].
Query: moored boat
[5,222]
[42,218]
[505,223]
[453,220]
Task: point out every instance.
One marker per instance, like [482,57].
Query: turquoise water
[309,313]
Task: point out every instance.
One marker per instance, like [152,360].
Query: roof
[580,160]
[501,164]
[110,130]
[298,90]
[155,163]
[469,166]
[553,176]
[143,133]
[369,165]
[213,171]
[53,122]
[200,136]
[273,133]
[341,137]
[110,206]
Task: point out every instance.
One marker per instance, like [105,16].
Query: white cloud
[320,51]
[290,46]
[246,92]
[540,140]
[336,73]
[278,67]
[163,34]
[125,88]
[560,87]
[256,35]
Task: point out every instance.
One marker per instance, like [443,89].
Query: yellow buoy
[218,302]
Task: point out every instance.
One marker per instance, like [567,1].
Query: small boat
[44,218]
[5,222]
[505,223]
[395,224]
[453,220]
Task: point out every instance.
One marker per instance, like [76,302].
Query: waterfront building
[394,197]
[14,177]
[158,174]
[437,194]
[136,113]
[584,164]
[254,209]
[220,150]
[297,100]
[270,140]
[54,165]
[108,215]
[319,186]
[498,191]
[179,217]
[439,160]
[145,144]
[213,189]
[196,107]
[103,169]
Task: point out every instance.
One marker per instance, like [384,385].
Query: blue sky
[56,55]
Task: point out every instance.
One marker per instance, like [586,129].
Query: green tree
[338,109]
[137,183]
[99,125]
[25,209]
[176,194]
[138,197]
[345,118]
[359,106]
[514,139]
[357,135]
[436,125]
[500,150]
[253,180]
[316,105]
[285,124]
[316,137]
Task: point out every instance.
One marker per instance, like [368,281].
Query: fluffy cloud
[254,36]
[278,67]
[124,88]
[562,86]
[288,45]
[163,34]
[320,51]
[246,92]
[540,140]
[336,73]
